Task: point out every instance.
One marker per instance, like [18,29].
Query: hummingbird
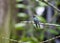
[36,21]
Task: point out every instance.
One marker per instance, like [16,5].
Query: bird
[36,21]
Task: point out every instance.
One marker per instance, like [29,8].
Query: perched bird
[36,21]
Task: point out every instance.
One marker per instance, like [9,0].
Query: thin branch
[52,6]
[39,42]
[48,24]
[51,39]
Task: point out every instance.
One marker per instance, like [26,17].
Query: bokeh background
[17,22]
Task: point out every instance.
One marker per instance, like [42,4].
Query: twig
[52,6]
[39,42]
[49,24]
[51,39]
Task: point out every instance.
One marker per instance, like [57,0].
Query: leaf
[20,6]
[42,4]
[42,36]
[22,15]
[34,39]
[20,26]
[41,19]
[58,28]
[25,39]
[52,31]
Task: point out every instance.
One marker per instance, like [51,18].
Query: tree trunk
[6,13]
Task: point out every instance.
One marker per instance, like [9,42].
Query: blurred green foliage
[20,6]
[20,26]
[38,34]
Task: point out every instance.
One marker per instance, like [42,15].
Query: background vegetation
[17,25]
